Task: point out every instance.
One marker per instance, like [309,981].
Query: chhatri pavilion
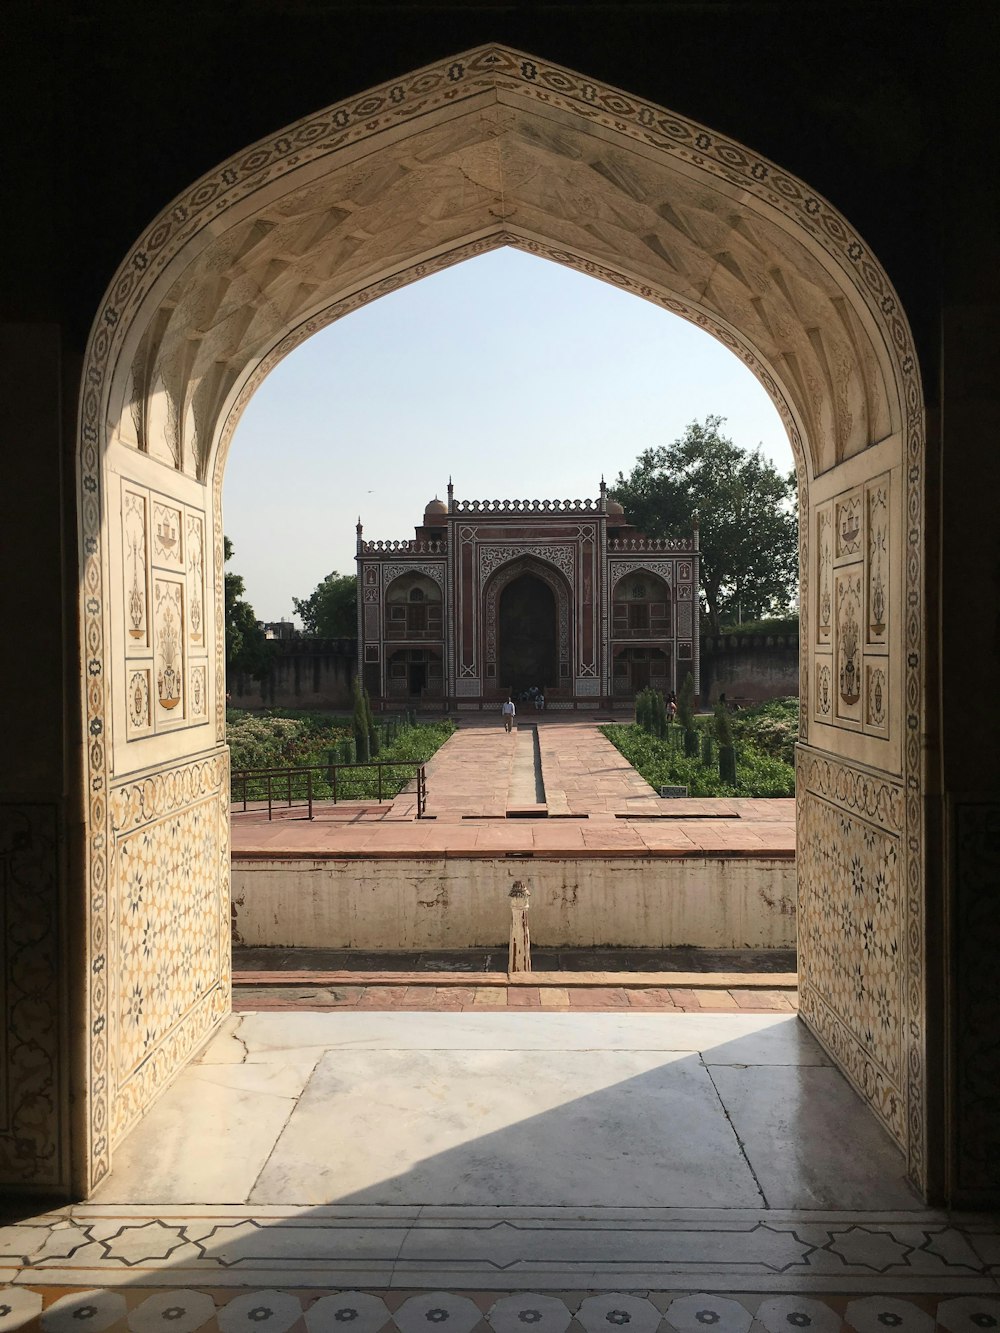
[492,597]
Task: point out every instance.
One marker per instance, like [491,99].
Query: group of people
[530,696]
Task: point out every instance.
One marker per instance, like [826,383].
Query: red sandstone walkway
[597,805]
[255,995]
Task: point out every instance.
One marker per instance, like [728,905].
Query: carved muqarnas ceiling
[514,172]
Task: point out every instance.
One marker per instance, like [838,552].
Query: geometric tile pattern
[513,1249]
[668,142]
[851,933]
[168,934]
[171,927]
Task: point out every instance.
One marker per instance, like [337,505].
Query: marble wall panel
[852,936]
[165,581]
[170,983]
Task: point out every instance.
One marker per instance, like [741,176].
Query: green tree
[246,648]
[747,518]
[331,609]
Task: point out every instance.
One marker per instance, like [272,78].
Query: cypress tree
[360,724]
[685,714]
[660,713]
[374,735]
[727,751]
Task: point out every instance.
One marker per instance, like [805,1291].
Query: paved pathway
[265,993]
[597,805]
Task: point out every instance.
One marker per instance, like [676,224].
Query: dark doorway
[418,678]
[528,638]
[640,674]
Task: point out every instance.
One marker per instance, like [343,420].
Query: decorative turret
[359,530]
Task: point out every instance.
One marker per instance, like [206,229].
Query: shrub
[661,764]
[685,703]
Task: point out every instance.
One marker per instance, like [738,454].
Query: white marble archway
[490,148]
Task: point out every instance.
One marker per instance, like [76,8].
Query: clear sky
[517,377]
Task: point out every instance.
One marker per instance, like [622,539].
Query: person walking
[507,712]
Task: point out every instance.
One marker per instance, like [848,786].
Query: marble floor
[488,1170]
[513,1109]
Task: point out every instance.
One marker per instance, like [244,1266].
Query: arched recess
[492,148]
[557,583]
[642,617]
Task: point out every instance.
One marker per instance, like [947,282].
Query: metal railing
[285,788]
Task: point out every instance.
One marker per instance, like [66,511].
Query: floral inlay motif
[168,541]
[134,539]
[849,638]
[878,561]
[849,525]
[138,700]
[196,578]
[824,593]
[169,621]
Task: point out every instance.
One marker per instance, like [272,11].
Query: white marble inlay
[92,1311]
[352,1311]
[177,1311]
[437,1310]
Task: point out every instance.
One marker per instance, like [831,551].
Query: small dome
[435,506]
[615,510]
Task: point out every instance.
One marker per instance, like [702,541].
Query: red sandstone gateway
[559,598]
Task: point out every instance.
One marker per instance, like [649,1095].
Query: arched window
[641,607]
[413,608]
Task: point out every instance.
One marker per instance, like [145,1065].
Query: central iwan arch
[487,149]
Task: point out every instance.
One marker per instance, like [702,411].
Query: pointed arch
[496,147]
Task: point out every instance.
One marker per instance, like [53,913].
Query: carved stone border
[364,117]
